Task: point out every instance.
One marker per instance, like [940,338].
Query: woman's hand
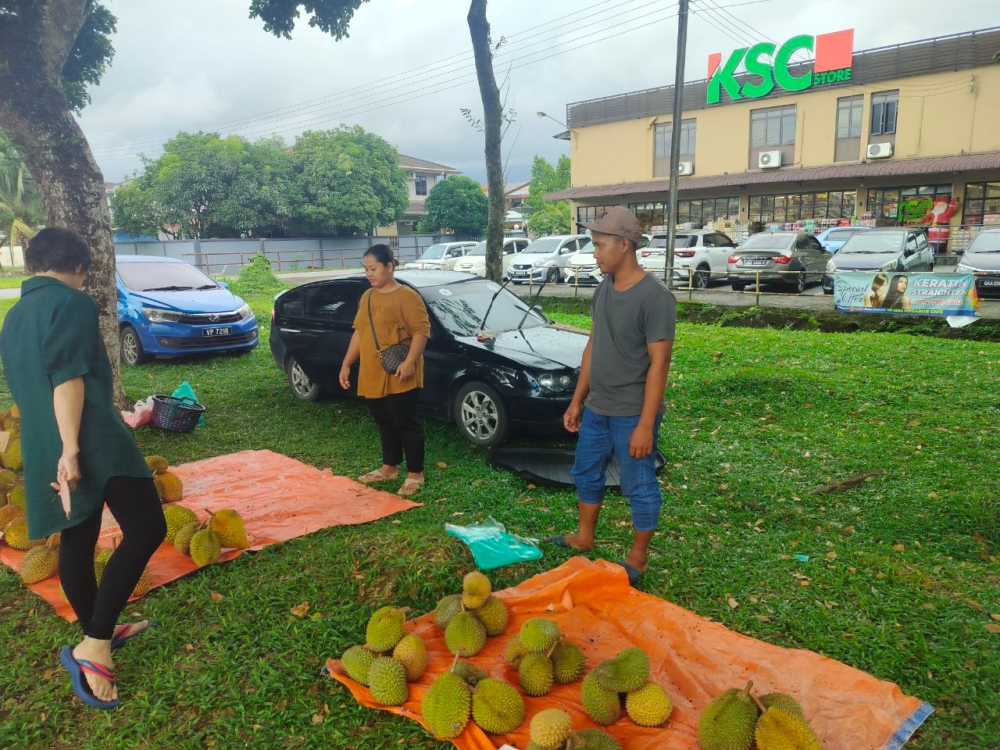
[405,370]
[345,378]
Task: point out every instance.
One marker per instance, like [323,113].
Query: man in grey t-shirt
[618,402]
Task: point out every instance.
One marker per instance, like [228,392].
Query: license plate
[211,332]
[756,261]
[989,282]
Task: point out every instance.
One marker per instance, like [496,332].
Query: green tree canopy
[457,203]
[349,182]
[20,202]
[548,217]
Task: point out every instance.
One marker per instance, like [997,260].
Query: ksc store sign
[936,294]
[834,55]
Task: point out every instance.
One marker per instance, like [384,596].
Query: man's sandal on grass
[410,486]
[375,476]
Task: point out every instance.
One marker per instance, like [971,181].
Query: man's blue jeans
[602,437]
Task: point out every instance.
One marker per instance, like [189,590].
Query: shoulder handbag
[392,356]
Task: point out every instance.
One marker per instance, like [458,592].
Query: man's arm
[574,414]
[641,441]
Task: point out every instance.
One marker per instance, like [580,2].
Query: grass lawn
[11,281]
[902,573]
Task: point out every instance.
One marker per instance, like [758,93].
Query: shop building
[907,134]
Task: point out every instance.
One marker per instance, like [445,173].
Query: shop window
[697,211]
[663,133]
[849,112]
[792,207]
[590,213]
[885,107]
[906,206]
[982,203]
[772,127]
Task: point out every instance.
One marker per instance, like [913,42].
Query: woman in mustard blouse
[72,437]
[400,317]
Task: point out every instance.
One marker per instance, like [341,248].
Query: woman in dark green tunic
[71,433]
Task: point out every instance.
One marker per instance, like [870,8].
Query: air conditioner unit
[769,159]
[879,150]
[685,168]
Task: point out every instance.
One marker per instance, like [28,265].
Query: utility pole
[675,139]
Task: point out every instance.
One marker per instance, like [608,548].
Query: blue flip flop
[117,641]
[633,573]
[76,668]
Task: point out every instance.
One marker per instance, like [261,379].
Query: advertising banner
[940,294]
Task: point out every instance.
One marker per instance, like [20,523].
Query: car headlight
[556,383]
[245,312]
[892,265]
[831,267]
[159,315]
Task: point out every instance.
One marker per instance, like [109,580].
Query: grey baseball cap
[618,221]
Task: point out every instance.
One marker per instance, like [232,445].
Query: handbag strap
[371,321]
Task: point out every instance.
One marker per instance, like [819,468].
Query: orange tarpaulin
[279,498]
[692,658]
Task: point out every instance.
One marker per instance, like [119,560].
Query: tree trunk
[479,29]
[36,115]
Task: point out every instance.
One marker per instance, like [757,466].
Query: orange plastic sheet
[278,497]
[692,658]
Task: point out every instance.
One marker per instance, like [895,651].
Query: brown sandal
[410,486]
[375,476]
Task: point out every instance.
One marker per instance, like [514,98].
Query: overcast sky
[407,71]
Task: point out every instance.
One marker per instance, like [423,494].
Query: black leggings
[136,507]
[396,417]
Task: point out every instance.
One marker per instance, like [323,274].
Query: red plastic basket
[176,414]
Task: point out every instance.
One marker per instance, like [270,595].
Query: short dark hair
[56,249]
[382,253]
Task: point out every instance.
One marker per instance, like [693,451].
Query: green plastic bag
[491,545]
[184,390]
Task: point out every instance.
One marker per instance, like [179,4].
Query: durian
[568,662]
[550,728]
[228,524]
[157,464]
[603,706]
[169,487]
[385,629]
[539,635]
[649,706]
[514,651]
[626,672]
[16,496]
[387,681]
[143,584]
[356,662]
[8,513]
[784,702]
[497,707]
[15,533]
[101,557]
[727,723]
[476,589]
[11,457]
[7,478]
[536,674]
[595,739]
[778,729]
[177,517]
[38,564]
[469,672]
[412,654]
[205,547]
[182,539]
[493,614]
[447,608]
[447,706]
[465,635]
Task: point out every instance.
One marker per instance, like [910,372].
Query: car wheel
[800,283]
[130,346]
[701,277]
[930,269]
[302,386]
[553,277]
[738,286]
[481,415]
[828,291]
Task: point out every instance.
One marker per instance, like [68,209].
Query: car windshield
[873,243]
[766,242]
[985,242]
[544,246]
[461,307]
[434,252]
[479,250]
[841,235]
[163,277]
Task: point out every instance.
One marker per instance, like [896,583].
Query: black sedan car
[983,259]
[891,250]
[492,365]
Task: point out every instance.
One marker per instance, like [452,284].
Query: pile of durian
[738,718]
[626,676]
[389,659]
[542,657]
[204,540]
[168,485]
[552,729]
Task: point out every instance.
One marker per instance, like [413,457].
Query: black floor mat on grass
[551,467]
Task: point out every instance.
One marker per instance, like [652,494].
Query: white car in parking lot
[475,260]
[545,258]
[441,257]
[582,268]
[701,255]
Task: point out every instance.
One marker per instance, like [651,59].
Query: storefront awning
[928,165]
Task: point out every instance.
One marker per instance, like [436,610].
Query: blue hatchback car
[833,239]
[169,308]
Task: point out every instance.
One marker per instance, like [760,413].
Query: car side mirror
[224,285]
[537,309]
[908,252]
[959,251]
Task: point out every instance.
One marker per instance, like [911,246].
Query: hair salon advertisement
[887,292]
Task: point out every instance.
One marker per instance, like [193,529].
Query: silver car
[792,258]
